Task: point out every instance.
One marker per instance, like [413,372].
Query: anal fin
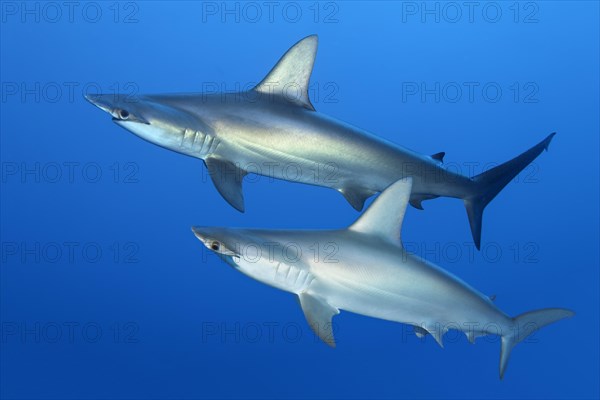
[417,199]
[470,336]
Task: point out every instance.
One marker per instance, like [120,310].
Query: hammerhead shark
[273,130]
[364,269]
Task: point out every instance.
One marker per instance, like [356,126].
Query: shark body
[274,130]
[365,270]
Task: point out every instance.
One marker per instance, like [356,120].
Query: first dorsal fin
[384,217]
[288,80]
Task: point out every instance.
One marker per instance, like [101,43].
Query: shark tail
[524,325]
[491,182]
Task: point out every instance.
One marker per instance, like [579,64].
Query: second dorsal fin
[438,156]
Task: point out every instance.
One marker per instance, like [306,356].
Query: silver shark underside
[364,269]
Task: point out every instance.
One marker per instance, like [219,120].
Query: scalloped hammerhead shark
[273,130]
[367,271]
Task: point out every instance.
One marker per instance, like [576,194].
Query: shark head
[224,242]
[151,119]
[253,253]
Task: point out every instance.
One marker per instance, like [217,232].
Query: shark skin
[365,270]
[273,130]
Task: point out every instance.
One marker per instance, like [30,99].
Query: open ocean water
[105,291]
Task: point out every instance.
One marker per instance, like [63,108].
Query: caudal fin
[525,325]
[491,182]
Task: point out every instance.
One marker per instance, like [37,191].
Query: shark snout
[118,106]
[101,101]
[198,233]
[206,234]
[90,97]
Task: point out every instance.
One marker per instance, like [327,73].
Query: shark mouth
[130,118]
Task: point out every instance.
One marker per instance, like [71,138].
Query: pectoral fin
[227,178]
[319,313]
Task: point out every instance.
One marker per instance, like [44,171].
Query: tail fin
[525,325]
[491,182]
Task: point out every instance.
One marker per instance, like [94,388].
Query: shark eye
[216,246]
[123,114]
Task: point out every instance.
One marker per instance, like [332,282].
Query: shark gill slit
[202,144]
[215,143]
[194,139]
[182,143]
[188,139]
[277,269]
[208,145]
[298,276]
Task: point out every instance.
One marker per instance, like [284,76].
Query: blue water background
[155,316]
